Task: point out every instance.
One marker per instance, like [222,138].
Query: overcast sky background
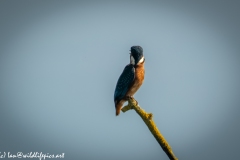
[60,61]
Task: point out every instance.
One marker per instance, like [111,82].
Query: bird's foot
[132,98]
[127,97]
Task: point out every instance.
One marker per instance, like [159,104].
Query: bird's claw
[132,98]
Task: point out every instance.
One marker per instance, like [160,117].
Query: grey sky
[60,61]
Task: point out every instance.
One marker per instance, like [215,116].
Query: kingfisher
[131,78]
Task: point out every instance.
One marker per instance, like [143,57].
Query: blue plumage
[124,82]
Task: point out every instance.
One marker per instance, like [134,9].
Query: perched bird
[131,78]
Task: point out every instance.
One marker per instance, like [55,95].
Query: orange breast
[139,78]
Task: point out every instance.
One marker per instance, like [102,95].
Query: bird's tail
[118,109]
[118,106]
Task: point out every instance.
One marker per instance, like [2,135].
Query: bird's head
[136,55]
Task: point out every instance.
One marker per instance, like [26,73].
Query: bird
[131,78]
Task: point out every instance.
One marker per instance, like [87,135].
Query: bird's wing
[124,82]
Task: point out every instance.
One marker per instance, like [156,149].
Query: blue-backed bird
[131,78]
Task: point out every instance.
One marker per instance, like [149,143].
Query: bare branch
[148,119]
